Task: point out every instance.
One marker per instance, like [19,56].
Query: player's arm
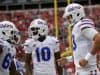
[12,69]
[28,65]
[57,57]
[93,35]
[28,58]
[63,60]
[58,68]
[88,30]
[96,45]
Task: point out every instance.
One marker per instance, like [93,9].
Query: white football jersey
[6,56]
[81,44]
[43,55]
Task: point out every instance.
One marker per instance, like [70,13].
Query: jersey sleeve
[88,29]
[56,44]
[86,23]
[27,46]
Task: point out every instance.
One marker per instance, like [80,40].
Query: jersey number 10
[43,54]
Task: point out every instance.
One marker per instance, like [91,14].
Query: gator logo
[73,8]
[5,26]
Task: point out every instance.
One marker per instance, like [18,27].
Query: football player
[9,35]
[85,38]
[43,50]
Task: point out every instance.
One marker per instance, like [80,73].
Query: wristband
[88,56]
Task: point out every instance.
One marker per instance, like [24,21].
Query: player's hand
[83,63]
[62,61]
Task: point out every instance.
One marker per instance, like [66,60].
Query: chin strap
[42,38]
[10,41]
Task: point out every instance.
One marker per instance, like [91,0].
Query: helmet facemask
[34,32]
[15,37]
[38,28]
[11,36]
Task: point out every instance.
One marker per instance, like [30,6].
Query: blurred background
[22,12]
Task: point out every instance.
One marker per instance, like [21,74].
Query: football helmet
[74,12]
[38,27]
[8,31]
